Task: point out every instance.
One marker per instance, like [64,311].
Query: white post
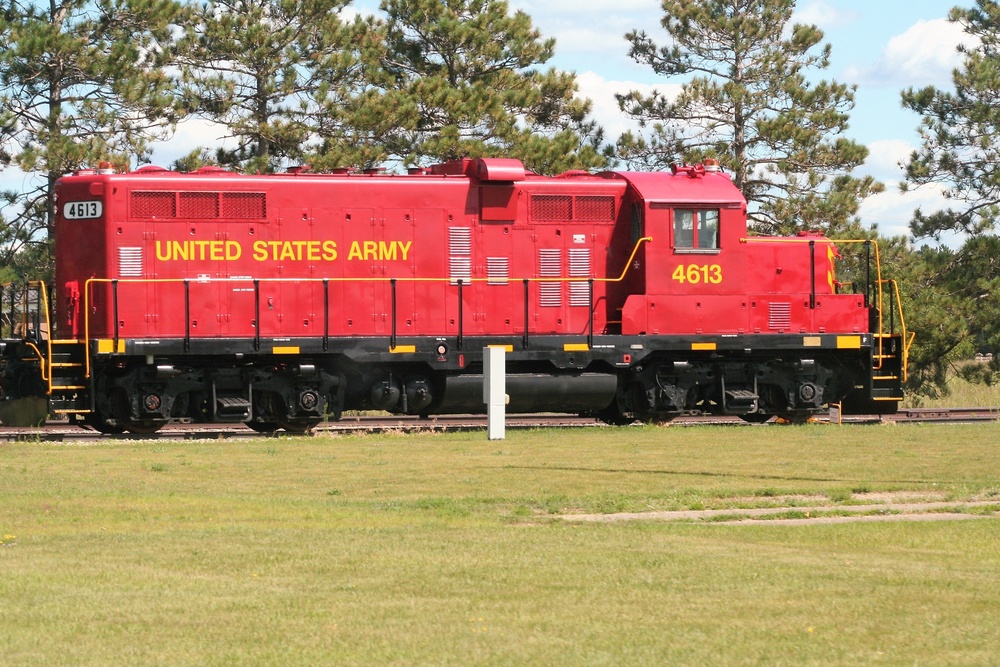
[495,390]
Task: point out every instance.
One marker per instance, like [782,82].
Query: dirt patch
[928,510]
[900,496]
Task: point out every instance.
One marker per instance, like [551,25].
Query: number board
[78,210]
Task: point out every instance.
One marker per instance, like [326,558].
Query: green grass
[448,550]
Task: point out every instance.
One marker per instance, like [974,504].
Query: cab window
[696,229]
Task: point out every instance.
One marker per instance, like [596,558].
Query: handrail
[327,280]
[907,337]
[43,317]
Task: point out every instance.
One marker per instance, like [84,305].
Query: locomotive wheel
[262,427]
[144,428]
[299,428]
[640,403]
[614,415]
[797,417]
[98,423]
[756,417]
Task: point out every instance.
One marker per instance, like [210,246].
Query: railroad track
[61,431]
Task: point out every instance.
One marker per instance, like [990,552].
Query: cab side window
[696,229]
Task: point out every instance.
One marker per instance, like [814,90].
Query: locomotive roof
[686,185]
[698,188]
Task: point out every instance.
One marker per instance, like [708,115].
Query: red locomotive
[280,300]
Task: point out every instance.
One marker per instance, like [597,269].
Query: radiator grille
[151,205]
[199,205]
[594,209]
[244,205]
[567,208]
[549,208]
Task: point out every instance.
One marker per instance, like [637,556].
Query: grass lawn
[449,549]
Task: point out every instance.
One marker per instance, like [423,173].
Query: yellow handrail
[413,279]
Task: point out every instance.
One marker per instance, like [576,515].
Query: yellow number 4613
[698,273]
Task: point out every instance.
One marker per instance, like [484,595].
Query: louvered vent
[579,267]
[780,316]
[497,270]
[550,266]
[459,254]
[130,262]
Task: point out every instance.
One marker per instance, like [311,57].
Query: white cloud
[605,108]
[191,134]
[892,210]
[823,15]
[925,54]
[885,158]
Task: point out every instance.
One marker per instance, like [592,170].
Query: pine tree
[80,82]
[263,70]
[462,81]
[746,101]
[960,130]
[960,152]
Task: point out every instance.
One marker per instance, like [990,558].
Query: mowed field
[450,549]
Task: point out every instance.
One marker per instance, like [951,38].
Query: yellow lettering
[171,251]
[287,252]
[371,250]
[281,251]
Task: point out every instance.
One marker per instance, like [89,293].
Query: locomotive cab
[693,269]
